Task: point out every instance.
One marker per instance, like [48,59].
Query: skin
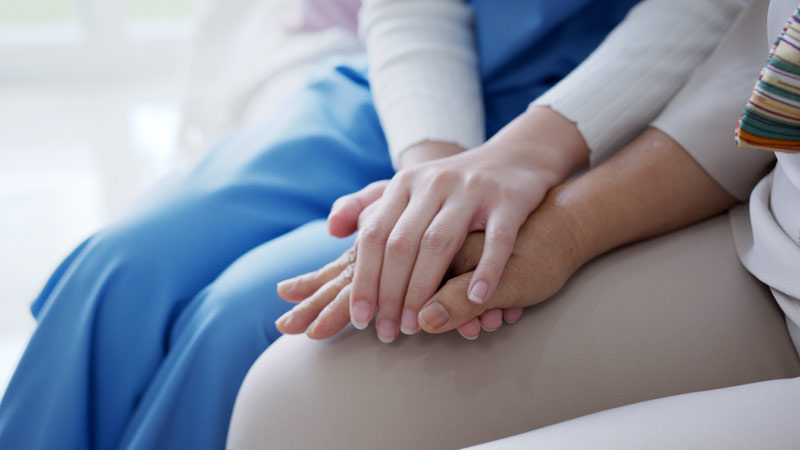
[650,188]
[423,215]
[351,209]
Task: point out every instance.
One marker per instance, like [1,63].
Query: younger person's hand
[425,213]
[347,210]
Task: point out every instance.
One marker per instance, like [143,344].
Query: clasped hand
[410,230]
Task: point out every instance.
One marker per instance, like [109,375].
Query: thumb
[449,308]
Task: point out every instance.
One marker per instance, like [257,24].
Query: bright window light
[160,9]
[23,12]
[46,39]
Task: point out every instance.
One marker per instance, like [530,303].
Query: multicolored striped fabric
[771,119]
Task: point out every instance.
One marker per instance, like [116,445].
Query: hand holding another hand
[411,227]
[323,296]
[547,252]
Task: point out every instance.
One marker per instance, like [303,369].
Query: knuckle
[442,179]
[340,282]
[374,234]
[477,181]
[347,273]
[492,266]
[350,256]
[508,194]
[399,244]
[501,235]
[404,177]
[435,239]
[364,215]
[376,185]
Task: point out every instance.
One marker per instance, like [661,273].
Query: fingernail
[468,338]
[478,292]
[310,329]
[360,315]
[284,319]
[409,324]
[387,331]
[434,315]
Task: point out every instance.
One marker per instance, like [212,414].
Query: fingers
[298,319]
[343,218]
[369,260]
[299,288]
[470,330]
[398,263]
[449,308]
[439,244]
[333,318]
[501,234]
[512,315]
[468,256]
[492,319]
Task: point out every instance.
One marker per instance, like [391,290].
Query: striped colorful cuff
[771,118]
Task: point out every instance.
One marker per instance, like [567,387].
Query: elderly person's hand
[545,255]
[323,299]
[651,187]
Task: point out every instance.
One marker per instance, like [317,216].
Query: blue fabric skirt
[146,331]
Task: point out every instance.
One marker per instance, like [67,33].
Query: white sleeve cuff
[423,70]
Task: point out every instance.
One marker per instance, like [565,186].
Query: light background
[80,135]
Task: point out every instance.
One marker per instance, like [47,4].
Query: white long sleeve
[628,80]
[423,69]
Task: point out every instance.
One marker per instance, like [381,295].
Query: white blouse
[426,83]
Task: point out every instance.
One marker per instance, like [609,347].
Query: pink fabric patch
[321,14]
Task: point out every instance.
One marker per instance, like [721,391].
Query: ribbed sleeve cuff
[416,120]
[627,81]
[424,72]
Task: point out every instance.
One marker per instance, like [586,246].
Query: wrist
[427,151]
[545,141]
[572,241]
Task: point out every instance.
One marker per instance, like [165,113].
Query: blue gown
[147,329]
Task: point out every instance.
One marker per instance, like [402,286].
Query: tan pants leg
[672,315]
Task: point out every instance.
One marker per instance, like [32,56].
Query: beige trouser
[672,315]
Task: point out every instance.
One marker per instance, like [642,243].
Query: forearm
[650,188]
